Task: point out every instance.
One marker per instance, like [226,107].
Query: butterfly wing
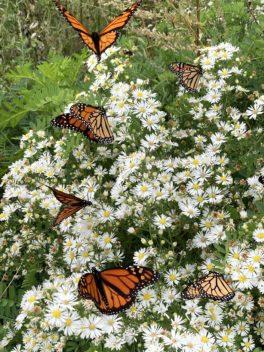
[74,204]
[120,21]
[70,121]
[192,291]
[75,123]
[66,198]
[215,287]
[83,32]
[108,36]
[101,128]
[121,285]
[189,75]
[95,119]
[66,213]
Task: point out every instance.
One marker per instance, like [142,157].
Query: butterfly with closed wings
[71,202]
[99,42]
[212,285]
[189,75]
[114,290]
[89,120]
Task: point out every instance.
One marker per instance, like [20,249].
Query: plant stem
[197,31]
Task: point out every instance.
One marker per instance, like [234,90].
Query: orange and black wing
[215,287]
[73,203]
[100,127]
[95,119]
[75,123]
[70,121]
[109,35]
[83,32]
[189,75]
[121,285]
[66,212]
[192,291]
[114,290]
[66,198]
[89,288]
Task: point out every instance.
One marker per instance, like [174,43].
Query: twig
[10,283]
[197,32]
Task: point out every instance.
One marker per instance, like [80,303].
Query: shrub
[177,192]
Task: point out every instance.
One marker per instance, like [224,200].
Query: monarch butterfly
[213,286]
[189,75]
[99,42]
[114,290]
[73,204]
[89,120]
[261,179]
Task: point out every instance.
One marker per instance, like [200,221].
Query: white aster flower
[162,221]
[91,327]
[258,235]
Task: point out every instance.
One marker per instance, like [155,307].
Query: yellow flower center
[162,221]
[106,213]
[195,162]
[199,199]
[256,258]
[107,240]
[141,255]
[68,322]
[251,268]
[173,277]
[260,235]
[144,188]
[92,327]
[208,225]
[31,299]
[147,296]
[56,313]
[204,339]
[242,278]
[209,266]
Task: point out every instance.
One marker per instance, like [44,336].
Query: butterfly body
[96,40]
[261,179]
[99,42]
[189,75]
[212,285]
[72,205]
[114,290]
[89,120]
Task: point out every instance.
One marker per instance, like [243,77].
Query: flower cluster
[165,194]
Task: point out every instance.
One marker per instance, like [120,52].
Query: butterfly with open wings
[99,42]
[114,290]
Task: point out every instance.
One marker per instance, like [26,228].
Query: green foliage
[36,94]
[8,302]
